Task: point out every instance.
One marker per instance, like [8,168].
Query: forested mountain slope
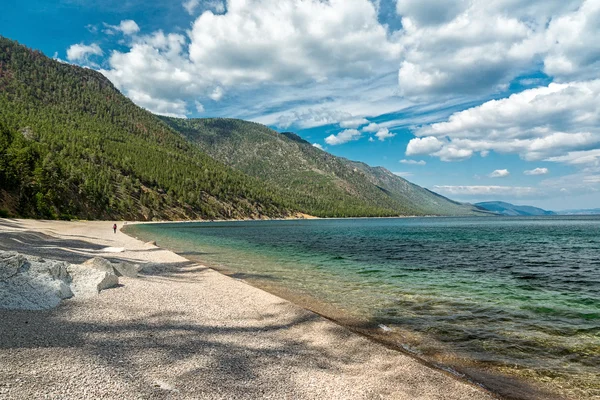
[320,183]
[71,145]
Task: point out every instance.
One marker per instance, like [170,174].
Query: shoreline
[399,339]
[373,364]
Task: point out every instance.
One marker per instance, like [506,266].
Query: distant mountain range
[592,211]
[72,146]
[502,208]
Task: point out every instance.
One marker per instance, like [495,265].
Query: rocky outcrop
[33,283]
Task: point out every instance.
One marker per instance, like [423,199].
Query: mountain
[592,211]
[71,145]
[503,208]
[317,182]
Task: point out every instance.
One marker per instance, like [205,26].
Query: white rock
[32,283]
[89,281]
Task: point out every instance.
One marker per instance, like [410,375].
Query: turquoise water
[519,295]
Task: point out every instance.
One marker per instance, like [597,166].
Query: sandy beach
[182,330]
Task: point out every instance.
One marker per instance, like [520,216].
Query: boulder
[120,269]
[32,283]
[127,269]
[89,281]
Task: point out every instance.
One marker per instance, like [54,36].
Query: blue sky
[477,100]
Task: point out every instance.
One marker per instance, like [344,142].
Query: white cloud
[499,173]
[126,26]
[287,41]
[217,94]
[383,134]
[311,117]
[573,51]
[129,27]
[199,106]
[353,123]
[343,137]
[537,124]
[371,128]
[474,191]
[156,70]
[255,43]
[318,146]
[80,52]
[190,6]
[459,47]
[582,158]
[413,162]
[175,108]
[426,145]
[215,5]
[536,171]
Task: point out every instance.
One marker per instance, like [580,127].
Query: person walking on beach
[115,228]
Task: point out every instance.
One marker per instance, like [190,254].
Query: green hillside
[71,145]
[318,182]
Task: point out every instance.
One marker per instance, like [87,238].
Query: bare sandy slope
[186,331]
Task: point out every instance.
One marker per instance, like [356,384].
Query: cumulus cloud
[459,47]
[80,52]
[537,124]
[127,27]
[371,128]
[176,108]
[318,146]
[383,134]
[536,171]
[499,173]
[477,46]
[413,162]
[343,137]
[573,51]
[257,42]
[287,41]
[426,145]
[199,106]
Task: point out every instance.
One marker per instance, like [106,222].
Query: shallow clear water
[519,294]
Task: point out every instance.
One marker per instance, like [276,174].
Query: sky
[477,100]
